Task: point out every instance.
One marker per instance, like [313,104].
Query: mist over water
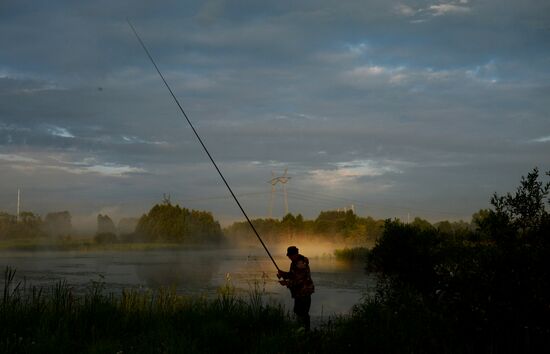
[197,271]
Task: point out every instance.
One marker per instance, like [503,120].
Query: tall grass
[54,319]
[352,254]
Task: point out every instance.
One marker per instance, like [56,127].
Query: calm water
[339,285]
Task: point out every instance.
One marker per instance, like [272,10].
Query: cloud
[542,139]
[17,158]
[349,171]
[60,131]
[112,170]
[63,162]
[373,75]
[445,9]
[91,165]
[105,170]
[405,10]
[137,140]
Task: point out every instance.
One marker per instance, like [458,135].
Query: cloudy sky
[420,108]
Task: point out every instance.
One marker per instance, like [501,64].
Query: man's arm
[283,274]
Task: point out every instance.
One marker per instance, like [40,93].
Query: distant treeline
[164,223]
[168,223]
[329,225]
[30,225]
[335,226]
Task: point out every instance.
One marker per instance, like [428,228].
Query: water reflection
[184,271]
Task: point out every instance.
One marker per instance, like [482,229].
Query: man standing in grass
[298,280]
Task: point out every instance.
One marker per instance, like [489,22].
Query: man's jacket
[299,278]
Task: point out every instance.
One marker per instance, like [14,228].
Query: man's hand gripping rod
[200,141]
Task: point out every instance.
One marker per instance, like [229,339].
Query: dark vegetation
[332,226]
[32,226]
[352,254]
[457,291]
[55,320]
[441,289]
[164,223]
[172,223]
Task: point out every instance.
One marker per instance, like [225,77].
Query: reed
[55,319]
[352,254]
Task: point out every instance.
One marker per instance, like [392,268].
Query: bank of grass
[55,320]
[85,245]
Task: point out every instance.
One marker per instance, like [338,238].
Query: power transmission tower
[274,181]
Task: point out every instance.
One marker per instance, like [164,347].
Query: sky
[399,108]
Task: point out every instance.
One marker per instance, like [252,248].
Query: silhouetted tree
[58,224]
[489,287]
[127,229]
[172,223]
[29,225]
[106,232]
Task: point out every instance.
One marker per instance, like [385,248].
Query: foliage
[105,237]
[28,226]
[58,224]
[127,228]
[489,287]
[56,320]
[105,224]
[172,223]
[352,254]
[340,226]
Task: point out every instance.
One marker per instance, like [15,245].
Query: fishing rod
[200,141]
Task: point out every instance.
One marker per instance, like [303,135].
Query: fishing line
[201,142]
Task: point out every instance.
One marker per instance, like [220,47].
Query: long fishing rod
[200,141]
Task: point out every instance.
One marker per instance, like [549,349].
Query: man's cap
[291,250]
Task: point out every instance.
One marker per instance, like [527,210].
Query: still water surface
[198,271]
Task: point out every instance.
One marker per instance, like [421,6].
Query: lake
[195,271]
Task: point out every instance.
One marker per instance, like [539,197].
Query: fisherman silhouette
[298,280]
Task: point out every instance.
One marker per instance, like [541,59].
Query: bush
[105,237]
[490,287]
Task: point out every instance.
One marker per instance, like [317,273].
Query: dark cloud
[397,107]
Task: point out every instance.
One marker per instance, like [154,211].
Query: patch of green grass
[352,254]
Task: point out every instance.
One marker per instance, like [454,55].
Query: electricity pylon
[273,181]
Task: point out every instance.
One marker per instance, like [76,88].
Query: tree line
[30,225]
[333,226]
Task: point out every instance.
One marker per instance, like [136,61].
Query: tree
[127,229]
[105,224]
[489,287]
[28,225]
[106,231]
[172,223]
[58,224]
[526,208]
